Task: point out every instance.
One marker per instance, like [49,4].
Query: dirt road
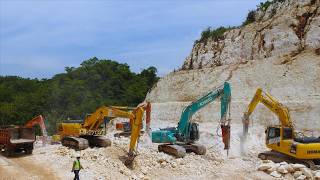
[24,167]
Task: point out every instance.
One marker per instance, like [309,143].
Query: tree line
[74,93]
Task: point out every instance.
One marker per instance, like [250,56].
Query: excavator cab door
[273,135]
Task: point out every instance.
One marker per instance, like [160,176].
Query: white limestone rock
[276,174]
[297,174]
[265,166]
[281,169]
[307,172]
[298,166]
[301,177]
[317,175]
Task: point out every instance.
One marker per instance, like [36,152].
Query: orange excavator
[40,121]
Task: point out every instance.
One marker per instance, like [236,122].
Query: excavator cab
[273,135]
[287,133]
[194,132]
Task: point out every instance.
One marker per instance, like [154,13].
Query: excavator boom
[272,104]
[94,121]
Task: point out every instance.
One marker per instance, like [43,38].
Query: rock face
[294,81]
[269,53]
[283,28]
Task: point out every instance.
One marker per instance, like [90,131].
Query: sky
[39,38]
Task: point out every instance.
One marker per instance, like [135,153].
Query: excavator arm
[272,104]
[223,92]
[40,121]
[136,128]
[93,121]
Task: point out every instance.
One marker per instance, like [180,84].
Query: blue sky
[39,38]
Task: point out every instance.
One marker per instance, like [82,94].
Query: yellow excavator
[285,143]
[136,126]
[78,135]
[125,127]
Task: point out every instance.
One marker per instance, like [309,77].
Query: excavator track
[97,141]
[180,150]
[125,134]
[172,149]
[195,148]
[278,157]
[75,143]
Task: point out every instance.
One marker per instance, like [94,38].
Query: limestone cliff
[283,28]
[279,53]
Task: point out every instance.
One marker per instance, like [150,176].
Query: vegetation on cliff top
[217,34]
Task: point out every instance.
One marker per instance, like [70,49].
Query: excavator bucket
[129,160]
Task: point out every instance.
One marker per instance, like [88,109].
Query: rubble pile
[288,171]
[107,163]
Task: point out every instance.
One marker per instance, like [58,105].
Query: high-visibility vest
[76,165]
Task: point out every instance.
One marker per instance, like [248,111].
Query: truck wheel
[7,152]
[28,151]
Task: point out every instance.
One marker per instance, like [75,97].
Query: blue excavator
[178,141]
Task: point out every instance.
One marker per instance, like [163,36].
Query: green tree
[74,93]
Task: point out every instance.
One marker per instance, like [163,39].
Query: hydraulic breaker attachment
[226,136]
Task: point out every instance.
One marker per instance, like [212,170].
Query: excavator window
[287,133]
[273,132]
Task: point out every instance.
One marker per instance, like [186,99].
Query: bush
[250,18]
[263,6]
[215,34]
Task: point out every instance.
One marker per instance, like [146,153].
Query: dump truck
[15,139]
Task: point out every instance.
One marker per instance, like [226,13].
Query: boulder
[307,172]
[283,163]
[274,168]
[297,174]
[289,168]
[301,177]
[288,176]
[281,169]
[317,176]
[264,167]
[298,166]
[276,174]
